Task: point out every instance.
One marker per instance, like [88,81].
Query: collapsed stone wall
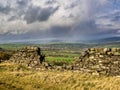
[31,57]
[103,61]
[99,60]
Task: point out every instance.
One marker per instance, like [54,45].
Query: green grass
[59,59]
[52,54]
[65,56]
[71,46]
[12,46]
[61,46]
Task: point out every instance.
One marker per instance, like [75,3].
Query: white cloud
[109,21]
[83,16]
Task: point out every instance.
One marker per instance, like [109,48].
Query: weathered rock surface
[105,61]
[30,57]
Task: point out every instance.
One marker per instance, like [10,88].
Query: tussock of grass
[23,79]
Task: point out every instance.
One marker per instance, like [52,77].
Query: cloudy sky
[58,19]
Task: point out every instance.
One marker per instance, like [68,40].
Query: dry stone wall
[30,57]
[100,61]
[104,61]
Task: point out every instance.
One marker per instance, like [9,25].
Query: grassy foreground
[16,77]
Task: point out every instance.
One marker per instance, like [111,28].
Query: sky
[52,20]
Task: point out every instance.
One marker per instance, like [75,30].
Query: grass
[59,59]
[11,46]
[52,54]
[64,56]
[17,77]
[25,79]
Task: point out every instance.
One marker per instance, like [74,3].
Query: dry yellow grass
[16,77]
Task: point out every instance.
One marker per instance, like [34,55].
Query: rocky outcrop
[104,61]
[31,57]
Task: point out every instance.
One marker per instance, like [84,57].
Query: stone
[114,49]
[29,56]
[101,56]
[35,62]
[105,50]
[116,53]
[105,61]
[91,57]
[92,49]
[109,53]
[92,52]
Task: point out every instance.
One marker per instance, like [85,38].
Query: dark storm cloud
[19,6]
[111,15]
[35,13]
[109,21]
[13,11]
[115,17]
[59,18]
[22,2]
[50,2]
[60,31]
[5,9]
[86,28]
[12,18]
[72,5]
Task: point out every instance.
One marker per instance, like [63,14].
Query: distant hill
[106,40]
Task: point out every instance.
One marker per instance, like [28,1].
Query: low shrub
[4,55]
